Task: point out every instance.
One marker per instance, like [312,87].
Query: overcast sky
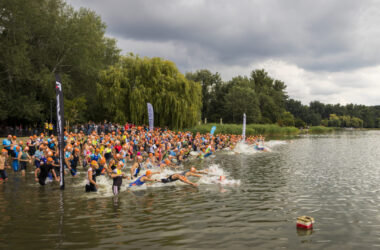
[323,50]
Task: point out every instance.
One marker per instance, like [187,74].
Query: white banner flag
[244,121]
[151,116]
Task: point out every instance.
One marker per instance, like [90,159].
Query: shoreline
[263,129]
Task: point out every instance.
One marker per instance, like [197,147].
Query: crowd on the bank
[48,128]
[113,151]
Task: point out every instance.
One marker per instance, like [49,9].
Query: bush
[321,129]
[251,129]
[299,123]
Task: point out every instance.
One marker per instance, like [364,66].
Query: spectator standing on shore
[3,164]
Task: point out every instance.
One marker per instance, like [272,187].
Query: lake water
[334,178]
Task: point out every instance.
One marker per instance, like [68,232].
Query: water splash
[243,148]
[275,143]
[217,175]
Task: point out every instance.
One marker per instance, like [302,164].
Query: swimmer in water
[144,178]
[41,173]
[221,179]
[183,177]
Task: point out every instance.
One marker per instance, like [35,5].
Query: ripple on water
[333,178]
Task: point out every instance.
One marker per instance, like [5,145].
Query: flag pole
[60,128]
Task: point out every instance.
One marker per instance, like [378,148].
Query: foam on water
[275,143]
[215,172]
[194,153]
[243,148]
[213,176]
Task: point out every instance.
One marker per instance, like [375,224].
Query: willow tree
[126,87]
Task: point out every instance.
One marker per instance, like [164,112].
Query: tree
[317,108]
[240,100]
[207,80]
[39,38]
[334,121]
[299,123]
[126,87]
[287,119]
[356,122]
[345,121]
[75,110]
[272,96]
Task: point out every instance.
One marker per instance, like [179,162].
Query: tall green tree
[272,96]
[240,100]
[126,87]
[211,86]
[39,38]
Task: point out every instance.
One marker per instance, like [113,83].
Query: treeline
[334,115]
[42,37]
[262,98]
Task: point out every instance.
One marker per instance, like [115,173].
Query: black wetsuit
[57,168]
[3,174]
[74,164]
[32,147]
[91,187]
[44,172]
[108,156]
[170,178]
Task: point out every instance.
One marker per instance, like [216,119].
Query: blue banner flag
[213,130]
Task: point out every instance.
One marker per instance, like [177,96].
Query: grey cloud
[316,35]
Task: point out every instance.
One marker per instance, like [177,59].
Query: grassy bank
[320,130]
[251,129]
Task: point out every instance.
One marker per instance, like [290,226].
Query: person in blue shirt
[7,143]
[96,155]
[38,155]
[15,163]
[51,143]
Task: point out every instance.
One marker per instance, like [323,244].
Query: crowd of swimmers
[135,154]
